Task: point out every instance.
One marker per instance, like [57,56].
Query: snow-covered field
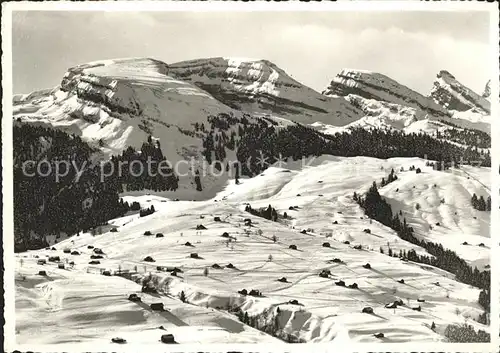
[78,304]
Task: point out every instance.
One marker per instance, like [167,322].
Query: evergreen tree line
[484,299]
[55,204]
[269,213]
[219,136]
[480,204]
[135,206]
[377,208]
[44,206]
[466,334]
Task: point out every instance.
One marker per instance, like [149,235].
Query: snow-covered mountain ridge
[322,311]
[119,103]
[259,86]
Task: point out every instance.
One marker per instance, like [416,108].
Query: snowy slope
[258,86]
[325,187]
[346,175]
[118,103]
[451,94]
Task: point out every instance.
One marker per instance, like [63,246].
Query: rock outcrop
[119,103]
[453,95]
[487,90]
[379,87]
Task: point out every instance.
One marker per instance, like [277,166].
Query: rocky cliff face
[259,86]
[379,87]
[116,104]
[453,95]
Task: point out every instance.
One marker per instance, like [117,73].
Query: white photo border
[212,6]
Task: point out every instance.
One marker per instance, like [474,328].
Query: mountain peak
[260,86]
[487,90]
[451,94]
[242,59]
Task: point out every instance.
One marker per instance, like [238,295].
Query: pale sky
[312,47]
